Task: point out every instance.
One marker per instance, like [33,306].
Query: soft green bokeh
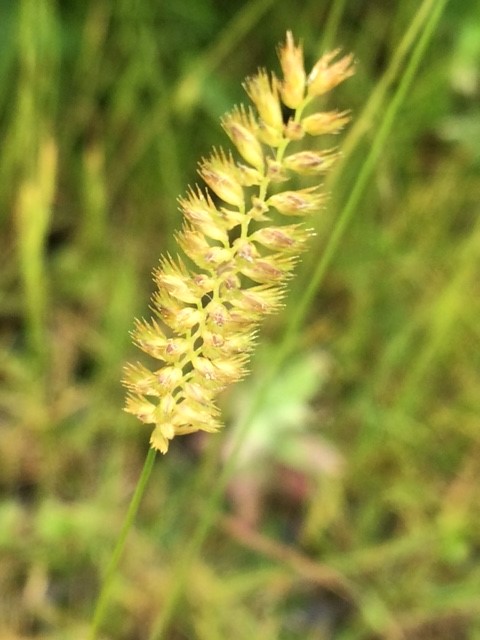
[105,109]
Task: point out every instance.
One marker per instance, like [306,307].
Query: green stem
[119,547]
[332,24]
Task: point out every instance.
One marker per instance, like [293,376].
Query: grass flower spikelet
[205,319]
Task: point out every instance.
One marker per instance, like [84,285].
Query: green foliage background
[105,108]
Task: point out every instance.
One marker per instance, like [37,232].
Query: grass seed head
[207,316]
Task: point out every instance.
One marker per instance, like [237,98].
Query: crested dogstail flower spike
[206,317]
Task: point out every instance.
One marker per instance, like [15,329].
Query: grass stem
[119,547]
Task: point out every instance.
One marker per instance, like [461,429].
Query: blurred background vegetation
[353,512]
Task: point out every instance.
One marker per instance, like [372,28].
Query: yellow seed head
[161,435]
[294,130]
[297,203]
[200,211]
[327,122]
[325,76]
[206,317]
[291,61]
[263,92]
[311,162]
[222,176]
[242,131]
[287,238]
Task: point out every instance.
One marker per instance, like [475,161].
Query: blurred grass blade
[36,161]
[33,217]
[331,26]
